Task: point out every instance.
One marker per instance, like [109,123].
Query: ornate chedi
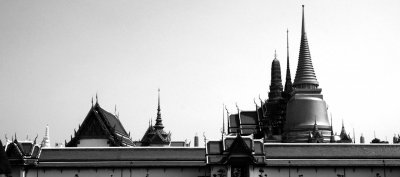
[46,138]
[155,135]
[275,105]
[306,106]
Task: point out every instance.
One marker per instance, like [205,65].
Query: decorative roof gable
[101,124]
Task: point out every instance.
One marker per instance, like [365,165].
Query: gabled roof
[239,147]
[101,124]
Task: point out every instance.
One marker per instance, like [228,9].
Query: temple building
[155,135]
[295,113]
[288,134]
[100,129]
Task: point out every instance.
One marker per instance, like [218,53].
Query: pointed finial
[259,97]
[92,101]
[159,124]
[223,120]
[342,123]
[34,141]
[288,83]
[227,111]
[254,100]
[303,28]
[159,99]
[237,107]
[275,54]
[97,98]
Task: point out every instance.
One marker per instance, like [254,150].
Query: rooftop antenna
[374,134]
[354,136]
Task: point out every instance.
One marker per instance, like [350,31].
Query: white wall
[119,172]
[93,143]
[327,171]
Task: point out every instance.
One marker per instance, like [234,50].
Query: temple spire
[305,75]
[276,87]
[159,124]
[46,138]
[288,83]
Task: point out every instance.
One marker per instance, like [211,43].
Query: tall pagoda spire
[276,87]
[288,83]
[159,124]
[305,75]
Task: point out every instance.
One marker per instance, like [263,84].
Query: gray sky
[55,55]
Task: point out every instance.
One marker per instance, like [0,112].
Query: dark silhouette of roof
[4,164]
[101,124]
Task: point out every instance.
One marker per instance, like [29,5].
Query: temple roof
[155,135]
[245,123]
[305,75]
[101,124]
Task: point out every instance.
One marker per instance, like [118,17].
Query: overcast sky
[55,56]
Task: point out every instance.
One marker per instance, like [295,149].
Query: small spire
[159,124]
[97,99]
[288,83]
[227,116]
[223,119]
[92,101]
[275,87]
[46,138]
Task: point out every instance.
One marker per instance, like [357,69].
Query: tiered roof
[155,135]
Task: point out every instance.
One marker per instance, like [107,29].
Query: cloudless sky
[56,55]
